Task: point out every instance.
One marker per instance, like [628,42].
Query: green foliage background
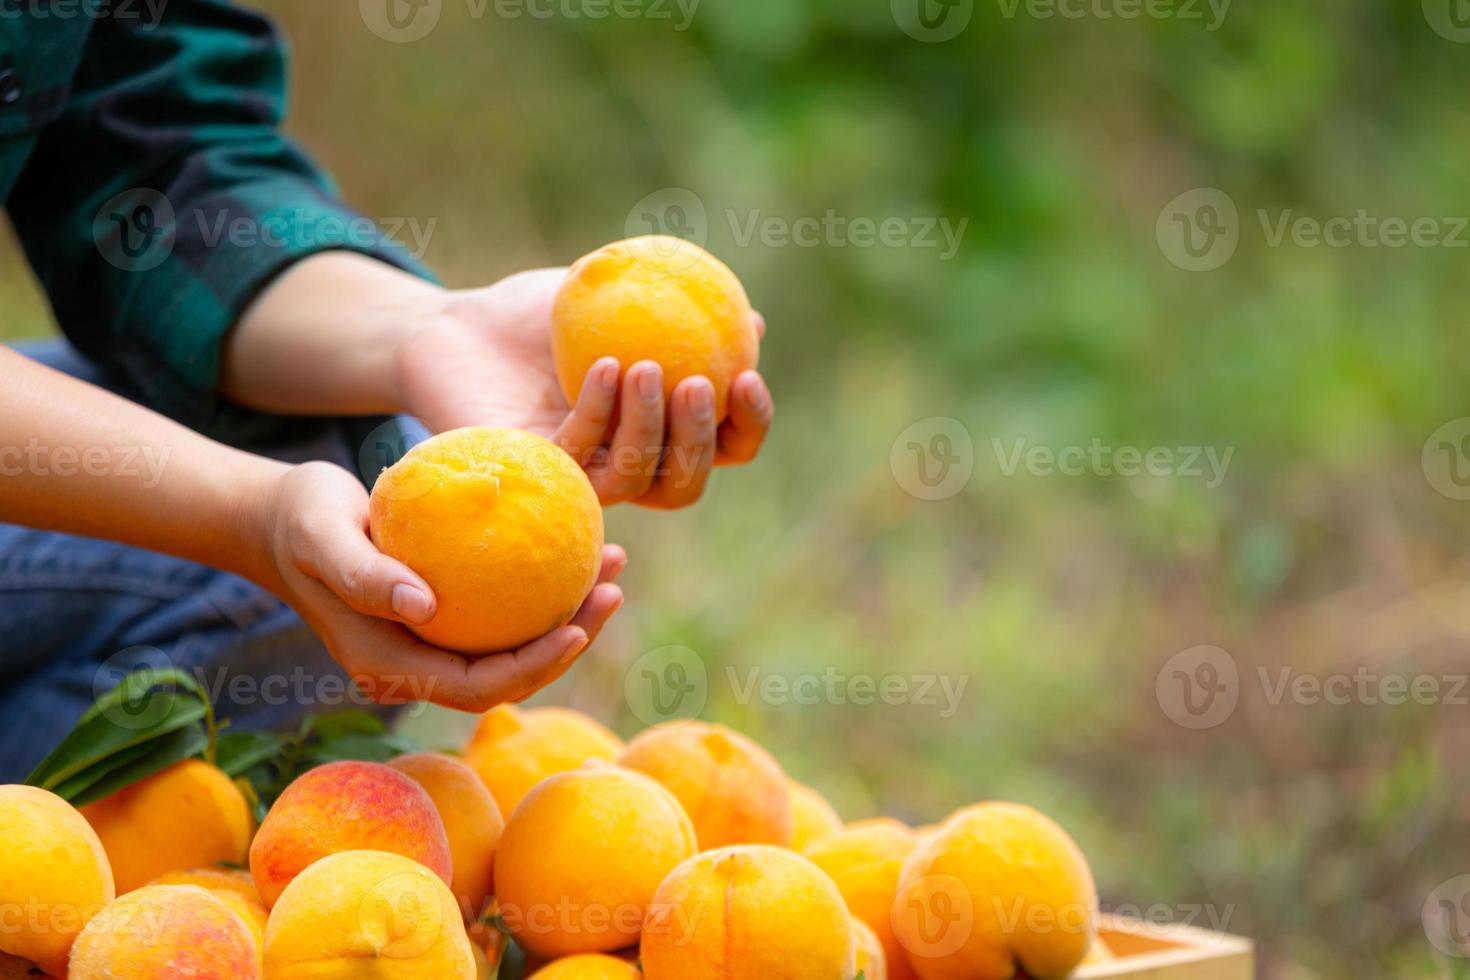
[1318,829]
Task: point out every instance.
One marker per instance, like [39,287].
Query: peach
[733,790]
[748,913]
[186,816]
[588,966]
[472,822]
[998,889]
[54,875]
[360,914]
[582,856]
[233,887]
[872,962]
[165,931]
[513,749]
[657,298]
[864,861]
[503,525]
[346,806]
[812,817]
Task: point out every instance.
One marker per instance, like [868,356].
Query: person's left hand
[486,360]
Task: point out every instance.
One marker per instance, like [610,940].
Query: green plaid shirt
[143,168]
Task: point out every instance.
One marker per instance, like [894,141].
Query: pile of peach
[685,854]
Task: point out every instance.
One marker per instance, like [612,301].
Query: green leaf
[239,752]
[70,788]
[513,963]
[164,752]
[366,748]
[102,735]
[349,721]
[135,686]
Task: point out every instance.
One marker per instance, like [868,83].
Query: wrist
[255,488]
[347,310]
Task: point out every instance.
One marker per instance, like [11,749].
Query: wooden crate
[1148,951]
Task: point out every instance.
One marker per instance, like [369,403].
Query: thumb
[368,580]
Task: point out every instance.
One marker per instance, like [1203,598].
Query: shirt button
[10,87]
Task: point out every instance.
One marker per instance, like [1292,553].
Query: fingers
[342,557]
[595,611]
[585,430]
[393,666]
[632,461]
[691,452]
[751,411]
[760,324]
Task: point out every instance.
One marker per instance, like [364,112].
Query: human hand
[359,601]
[485,359]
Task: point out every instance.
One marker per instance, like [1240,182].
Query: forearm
[322,338]
[77,459]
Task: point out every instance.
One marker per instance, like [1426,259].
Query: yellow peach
[865,861]
[357,914]
[748,913]
[733,790]
[582,856]
[472,822]
[998,889]
[54,876]
[513,749]
[189,815]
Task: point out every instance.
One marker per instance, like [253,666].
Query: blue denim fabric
[77,612]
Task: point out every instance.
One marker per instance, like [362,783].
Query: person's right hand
[358,599]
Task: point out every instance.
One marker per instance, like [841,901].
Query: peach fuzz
[347,806]
[53,872]
[166,931]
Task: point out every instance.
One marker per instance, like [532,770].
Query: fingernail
[650,385]
[755,397]
[410,603]
[702,403]
[608,373]
[576,646]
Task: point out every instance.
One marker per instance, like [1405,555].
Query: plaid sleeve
[164,197]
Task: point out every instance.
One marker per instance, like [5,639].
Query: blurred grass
[1317,829]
